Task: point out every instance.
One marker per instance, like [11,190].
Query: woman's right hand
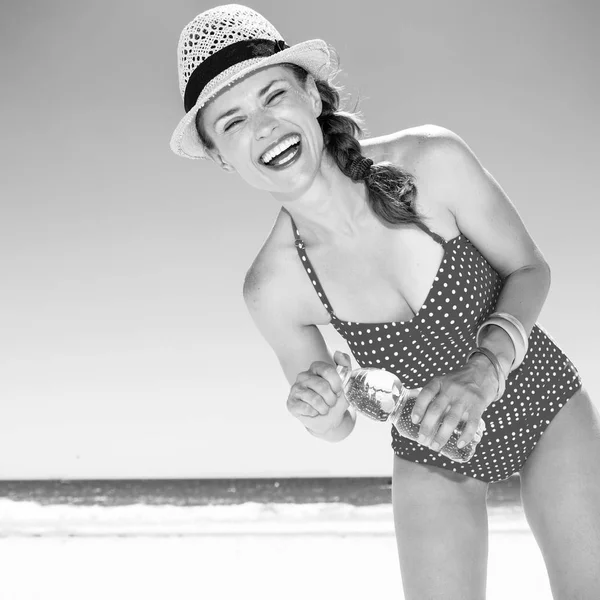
[317,399]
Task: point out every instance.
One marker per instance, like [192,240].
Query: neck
[332,207]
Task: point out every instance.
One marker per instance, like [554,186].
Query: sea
[195,507]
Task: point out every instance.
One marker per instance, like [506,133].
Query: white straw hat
[221,46]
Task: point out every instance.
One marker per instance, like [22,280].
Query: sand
[246,558]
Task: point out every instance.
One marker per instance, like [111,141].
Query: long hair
[391,190]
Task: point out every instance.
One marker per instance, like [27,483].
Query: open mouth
[284,154]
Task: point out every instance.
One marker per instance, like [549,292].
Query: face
[265,128]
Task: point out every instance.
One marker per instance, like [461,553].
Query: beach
[256,550]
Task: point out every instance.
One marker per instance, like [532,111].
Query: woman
[431,275]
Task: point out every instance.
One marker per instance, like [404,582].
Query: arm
[463,190]
[297,345]
[456,180]
[484,213]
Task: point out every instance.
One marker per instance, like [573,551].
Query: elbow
[540,270]
[546,274]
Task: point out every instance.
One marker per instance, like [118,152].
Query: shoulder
[271,276]
[425,147]
[262,280]
[445,168]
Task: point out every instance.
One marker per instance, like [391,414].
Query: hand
[446,400]
[317,399]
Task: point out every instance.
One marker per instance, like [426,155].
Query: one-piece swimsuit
[437,340]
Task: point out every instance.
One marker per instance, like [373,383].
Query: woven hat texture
[216,29]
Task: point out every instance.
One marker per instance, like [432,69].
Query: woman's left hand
[446,400]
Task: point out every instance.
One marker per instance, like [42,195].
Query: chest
[441,333]
[376,280]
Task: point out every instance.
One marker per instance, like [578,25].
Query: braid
[391,190]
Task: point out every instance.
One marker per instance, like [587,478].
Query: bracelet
[514,338]
[515,331]
[496,364]
[512,319]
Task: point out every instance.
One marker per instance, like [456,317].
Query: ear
[227,167]
[313,95]
[220,161]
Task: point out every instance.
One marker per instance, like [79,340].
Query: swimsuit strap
[436,238]
[300,247]
[299,243]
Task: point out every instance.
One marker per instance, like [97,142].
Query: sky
[126,350]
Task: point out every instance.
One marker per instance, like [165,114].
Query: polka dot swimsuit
[438,339]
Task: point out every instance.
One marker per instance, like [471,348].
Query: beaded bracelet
[515,331]
[496,364]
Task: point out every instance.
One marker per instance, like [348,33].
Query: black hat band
[220,61]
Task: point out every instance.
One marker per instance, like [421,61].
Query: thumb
[341,358]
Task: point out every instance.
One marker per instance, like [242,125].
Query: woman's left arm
[486,216]
[484,213]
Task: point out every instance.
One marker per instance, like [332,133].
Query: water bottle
[380,395]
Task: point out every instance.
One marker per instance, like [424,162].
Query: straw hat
[221,46]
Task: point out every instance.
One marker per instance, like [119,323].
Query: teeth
[267,157]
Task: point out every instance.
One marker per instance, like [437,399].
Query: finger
[323,388]
[303,376]
[308,379]
[312,398]
[469,432]
[341,358]
[328,372]
[449,422]
[433,418]
[299,408]
[477,436]
[425,396]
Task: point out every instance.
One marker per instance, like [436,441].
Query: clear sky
[125,346]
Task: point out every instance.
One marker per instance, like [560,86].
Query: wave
[25,518]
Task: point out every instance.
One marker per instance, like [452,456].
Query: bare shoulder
[441,162]
[264,281]
[272,289]
[420,149]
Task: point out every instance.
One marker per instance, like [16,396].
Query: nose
[264,124]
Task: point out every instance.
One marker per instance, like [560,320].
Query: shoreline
[30,519]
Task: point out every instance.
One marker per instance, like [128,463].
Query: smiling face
[265,128]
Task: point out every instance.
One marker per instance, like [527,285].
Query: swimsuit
[438,339]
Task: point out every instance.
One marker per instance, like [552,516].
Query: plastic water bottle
[380,395]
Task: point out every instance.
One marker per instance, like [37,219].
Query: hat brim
[313,55]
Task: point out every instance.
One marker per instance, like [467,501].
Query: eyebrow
[261,93]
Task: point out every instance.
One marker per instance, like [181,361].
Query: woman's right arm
[316,398]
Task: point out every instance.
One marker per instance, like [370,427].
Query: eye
[275,95]
[231,124]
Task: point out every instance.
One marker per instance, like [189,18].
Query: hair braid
[391,190]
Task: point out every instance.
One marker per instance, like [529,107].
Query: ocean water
[358,491]
[314,506]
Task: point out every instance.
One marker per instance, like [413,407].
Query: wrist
[493,370]
[497,341]
[484,366]
[336,434]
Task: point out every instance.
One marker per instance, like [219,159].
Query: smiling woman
[282,93]
[438,281]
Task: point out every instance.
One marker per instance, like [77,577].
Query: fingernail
[422,438]
[415,418]
[435,446]
[461,443]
